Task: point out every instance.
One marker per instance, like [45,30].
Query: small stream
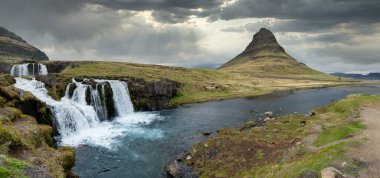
[143,150]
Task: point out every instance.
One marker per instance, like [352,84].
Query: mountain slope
[13,48]
[265,57]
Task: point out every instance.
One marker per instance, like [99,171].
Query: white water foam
[23,69]
[79,124]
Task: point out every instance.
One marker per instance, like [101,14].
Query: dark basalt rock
[59,66]
[88,96]
[5,68]
[90,82]
[148,96]
[108,100]
[72,88]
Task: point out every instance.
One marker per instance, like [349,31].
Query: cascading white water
[70,116]
[42,69]
[20,70]
[23,69]
[121,99]
[79,122]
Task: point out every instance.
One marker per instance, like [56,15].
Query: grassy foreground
[289,146]
[199,85]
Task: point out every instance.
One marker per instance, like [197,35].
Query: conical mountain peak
[264,45]
[263,40]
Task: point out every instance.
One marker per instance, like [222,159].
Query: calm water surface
[144,151]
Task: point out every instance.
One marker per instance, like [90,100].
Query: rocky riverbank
[26,137]
[289,146]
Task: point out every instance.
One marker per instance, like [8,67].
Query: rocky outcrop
[58,66]
[27,103]
[155,95]
[177,169]
[5,68]
[12,46]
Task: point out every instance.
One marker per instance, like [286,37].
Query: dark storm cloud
[336,10]
[111,29]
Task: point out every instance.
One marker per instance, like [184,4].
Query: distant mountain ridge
[13,48]
[264,56]
[370,76]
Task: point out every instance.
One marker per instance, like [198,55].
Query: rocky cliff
[14,49]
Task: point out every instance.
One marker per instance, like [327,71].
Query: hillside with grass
[196,85]
[264,57]
[13,49]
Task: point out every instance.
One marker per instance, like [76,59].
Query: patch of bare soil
[369,151]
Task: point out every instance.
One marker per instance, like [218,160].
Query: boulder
[269,114]
[331,172]
[248,125]
[267,119]
[173,170]
[206,133]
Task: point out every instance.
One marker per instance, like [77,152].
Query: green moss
[9,134]
[337,132]
[46,132]
[2,101]
[12,167]
[9,92]
[260,154]
[6,80]
[67,158]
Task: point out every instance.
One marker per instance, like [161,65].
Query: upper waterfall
[29,69]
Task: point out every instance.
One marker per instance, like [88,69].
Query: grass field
[199,85]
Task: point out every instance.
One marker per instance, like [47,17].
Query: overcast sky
[328,35]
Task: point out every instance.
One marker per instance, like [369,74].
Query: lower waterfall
[78,118]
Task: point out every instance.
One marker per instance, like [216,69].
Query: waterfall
[70,116]
[121,99]
[28,69]
[20,70]
[83,117]
[42,69]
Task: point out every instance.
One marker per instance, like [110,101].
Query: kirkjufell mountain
[13,48]
[266,57]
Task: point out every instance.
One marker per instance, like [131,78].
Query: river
[143,150]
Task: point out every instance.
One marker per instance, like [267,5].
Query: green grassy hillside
[202,84]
